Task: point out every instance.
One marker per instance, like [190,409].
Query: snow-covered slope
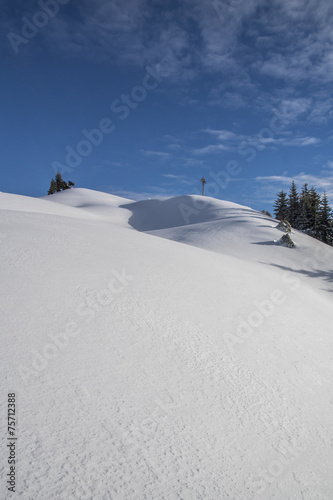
[145,368]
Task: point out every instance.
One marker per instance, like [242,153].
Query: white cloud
[155,154]
[222,135]
[292,109]
[192,162]
[173,176]
[302,42]
[321,181]
[301,141]
[231,141]
[180,179]
[241,39]
[210,149]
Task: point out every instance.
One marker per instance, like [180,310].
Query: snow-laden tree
[293,205]
[325,227]
[281,206]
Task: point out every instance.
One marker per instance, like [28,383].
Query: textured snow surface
[163,349]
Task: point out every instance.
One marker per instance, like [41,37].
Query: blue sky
[144,98]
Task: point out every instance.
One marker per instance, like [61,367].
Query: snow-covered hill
[163,349]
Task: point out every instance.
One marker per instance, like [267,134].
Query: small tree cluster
[287,241]
[284,225]
[266,212]
[307,211]
[58,184]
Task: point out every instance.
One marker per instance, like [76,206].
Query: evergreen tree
[293,205]
[53,187]
[308,212]
[287,241]
[314,203]
[266,212]
[61,184]
[303,220]
[325,227]
[58,184]
[281,206]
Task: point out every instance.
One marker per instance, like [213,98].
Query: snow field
[150,369]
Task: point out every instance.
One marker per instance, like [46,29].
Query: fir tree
[293,205]
[303,220]
[61,184]
[58,184]
[325,228]
[287,241]
[314,203]
[53,187]
[284,225]
[281,206]
[308,212]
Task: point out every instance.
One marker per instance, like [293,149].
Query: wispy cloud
[173,176]
[222,135]
[210,149]
[230,141]
[290,41]
[300,179]
[179,179]
[299,141]
[322,181]
[161,155]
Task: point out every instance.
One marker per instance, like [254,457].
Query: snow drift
[164,349]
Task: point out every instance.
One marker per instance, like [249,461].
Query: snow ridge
[164,349]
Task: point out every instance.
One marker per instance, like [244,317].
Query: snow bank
[148,368]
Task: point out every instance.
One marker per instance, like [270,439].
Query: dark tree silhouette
[281,206]
[293,205]
[53,187]
[308,212]
[58,184]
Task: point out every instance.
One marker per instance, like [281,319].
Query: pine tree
[303,220]
[58,184]
[281,206]
[287,241]
[61,184]
[314,203]
[308,212]
[325,227]
[53,187]
[293,205]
